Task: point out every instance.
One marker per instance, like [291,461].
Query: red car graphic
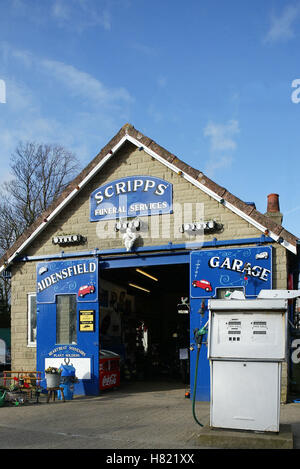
[202,284]
[85,290]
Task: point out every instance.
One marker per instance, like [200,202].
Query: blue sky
[210,80]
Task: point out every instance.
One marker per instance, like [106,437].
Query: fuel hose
[195,380]
[198,334]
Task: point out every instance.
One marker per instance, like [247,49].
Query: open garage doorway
[139,320]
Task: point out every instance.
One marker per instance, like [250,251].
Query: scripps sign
[131,197]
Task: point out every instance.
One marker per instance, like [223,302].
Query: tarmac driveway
[136,416]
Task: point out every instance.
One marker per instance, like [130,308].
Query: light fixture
[138,287]
[122,226]
[208,226]
[147,275]
[68,239]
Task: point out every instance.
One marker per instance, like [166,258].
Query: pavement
[153,416]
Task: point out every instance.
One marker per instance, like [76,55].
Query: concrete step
[238,439]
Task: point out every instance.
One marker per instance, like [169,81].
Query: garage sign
[247,268]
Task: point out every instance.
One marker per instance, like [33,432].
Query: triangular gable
[194,176]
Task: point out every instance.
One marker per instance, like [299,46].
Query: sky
[215,82]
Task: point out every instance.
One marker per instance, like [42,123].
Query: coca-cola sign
[109,380]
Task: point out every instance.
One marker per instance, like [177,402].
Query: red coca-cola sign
[109,372]
[109,380]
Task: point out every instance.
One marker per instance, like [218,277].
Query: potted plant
[52,376]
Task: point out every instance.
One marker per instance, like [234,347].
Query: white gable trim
[174,168]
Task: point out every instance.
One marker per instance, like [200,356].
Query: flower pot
[52,380]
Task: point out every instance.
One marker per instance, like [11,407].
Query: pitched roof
[194,176]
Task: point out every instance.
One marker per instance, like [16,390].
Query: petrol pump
[247,344]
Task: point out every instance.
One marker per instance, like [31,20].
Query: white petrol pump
[247,343]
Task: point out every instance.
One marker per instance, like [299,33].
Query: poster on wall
[86,320]
[249,269]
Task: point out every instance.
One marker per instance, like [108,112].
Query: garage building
[137,234]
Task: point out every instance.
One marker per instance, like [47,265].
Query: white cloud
[76,15]
[222,145]
[155,113]
[8,52]
[60,10]
[93,110]
[144,49]
[81,83]
[221,135]
[162,81]
[215,164]
[77,82]
[82,14]
[282,26]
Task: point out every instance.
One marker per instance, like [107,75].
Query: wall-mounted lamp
[208,226]
[122,226]
[68,239]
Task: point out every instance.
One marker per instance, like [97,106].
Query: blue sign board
[212,273]
[135,196]
[249,268]
[78,277]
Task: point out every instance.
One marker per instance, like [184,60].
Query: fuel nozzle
[199,333]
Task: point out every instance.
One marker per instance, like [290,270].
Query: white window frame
[29,299]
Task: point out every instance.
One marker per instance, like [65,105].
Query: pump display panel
[247,335]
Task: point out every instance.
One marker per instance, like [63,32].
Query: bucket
[68,392]
[67,380]
[52,380]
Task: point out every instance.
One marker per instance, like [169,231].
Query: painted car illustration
[262,255]
[202,284]
[86,290]
[42,270]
